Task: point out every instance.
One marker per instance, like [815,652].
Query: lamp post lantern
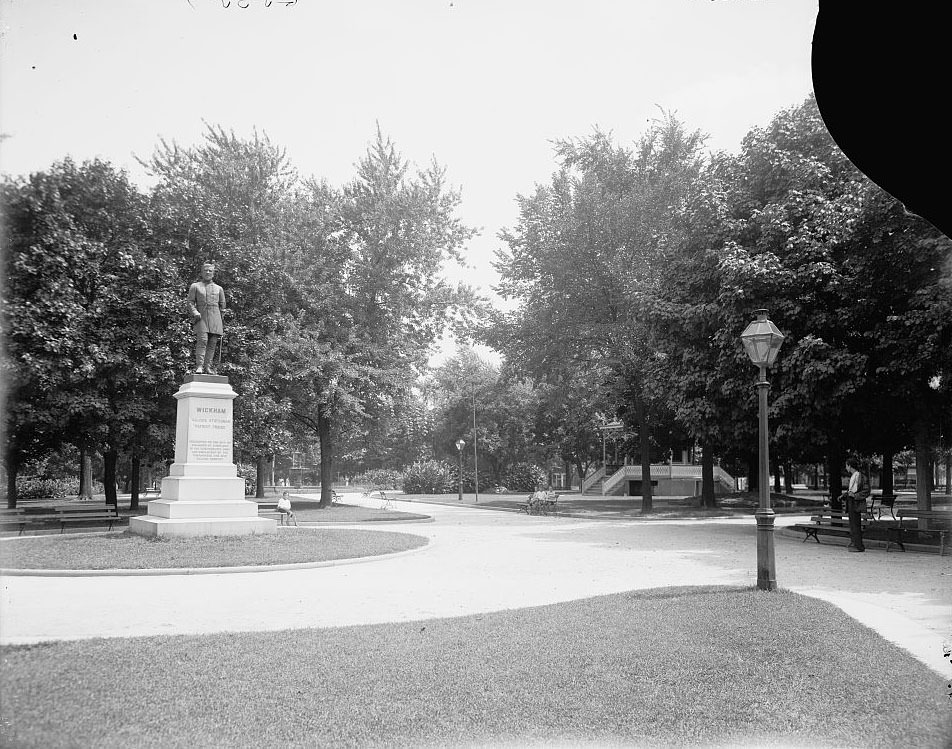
[459,447]
[762,342]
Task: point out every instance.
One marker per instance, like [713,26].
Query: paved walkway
[478,561]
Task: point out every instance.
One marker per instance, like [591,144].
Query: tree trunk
[135,477]
[581,475]
[261,476]
[948,473]
[835,473]
[85,474]
[777,481]
[13,467]
[109,477]
[707,476]
[923,494]
[886,475]
[788,478]
[753,473]
[327,457]
[646,503]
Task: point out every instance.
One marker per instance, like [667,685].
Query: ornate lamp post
[459,447]
[762,341]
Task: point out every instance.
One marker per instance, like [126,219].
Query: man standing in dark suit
[206,301]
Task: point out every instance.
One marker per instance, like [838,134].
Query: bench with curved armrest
[540,503]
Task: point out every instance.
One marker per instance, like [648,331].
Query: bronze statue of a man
[206,301]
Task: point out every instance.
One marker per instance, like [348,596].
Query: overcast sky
[484,86]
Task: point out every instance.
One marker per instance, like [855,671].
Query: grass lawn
[129,551]
[310,512]
[669,667]
[664,508]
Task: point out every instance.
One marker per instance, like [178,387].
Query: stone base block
[169,527]
[202,487]
[178,509]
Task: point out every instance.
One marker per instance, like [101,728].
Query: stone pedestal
[203,494]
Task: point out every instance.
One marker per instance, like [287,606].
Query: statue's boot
[200,349]
[208,363]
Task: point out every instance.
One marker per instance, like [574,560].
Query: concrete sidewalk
[480,561]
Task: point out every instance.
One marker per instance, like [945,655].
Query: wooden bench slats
[46,516]
[836,523]
[533,506]
[942,518]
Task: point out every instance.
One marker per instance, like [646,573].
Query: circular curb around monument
[156,572]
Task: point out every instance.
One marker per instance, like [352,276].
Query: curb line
[213,570]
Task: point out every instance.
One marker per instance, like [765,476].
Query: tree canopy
[633,271]
[651,261]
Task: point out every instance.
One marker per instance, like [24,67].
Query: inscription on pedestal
[210,433]
[204,451]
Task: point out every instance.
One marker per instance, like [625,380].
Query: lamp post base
[766,564]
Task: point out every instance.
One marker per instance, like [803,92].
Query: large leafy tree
[90,322]
[567,416]
[583,261]
[789,224]
[854,281]
[904,328]
[493,413]
[231,200]
[401,434]
[367,263]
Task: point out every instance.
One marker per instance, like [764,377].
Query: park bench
[107,515]
[540,504]
[62,516]
[270,507]
[22,518]
[11,518]
[928,523]
[380,493]
[829,523]
[147,494]
[887,502]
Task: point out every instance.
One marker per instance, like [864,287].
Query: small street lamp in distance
[762,341]
[459,447]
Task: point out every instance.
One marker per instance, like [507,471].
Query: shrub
[486,481]
[249,472]
[379,478]
[524,477]
[37,487]
[429,477]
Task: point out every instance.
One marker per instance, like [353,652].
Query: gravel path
[479,560]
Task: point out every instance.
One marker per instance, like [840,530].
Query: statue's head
[208,271]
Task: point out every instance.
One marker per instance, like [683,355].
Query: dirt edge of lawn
[124,553]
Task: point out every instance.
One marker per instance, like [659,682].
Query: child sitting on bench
[284,507]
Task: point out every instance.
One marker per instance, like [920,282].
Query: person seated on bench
[856,497]
[284,507]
